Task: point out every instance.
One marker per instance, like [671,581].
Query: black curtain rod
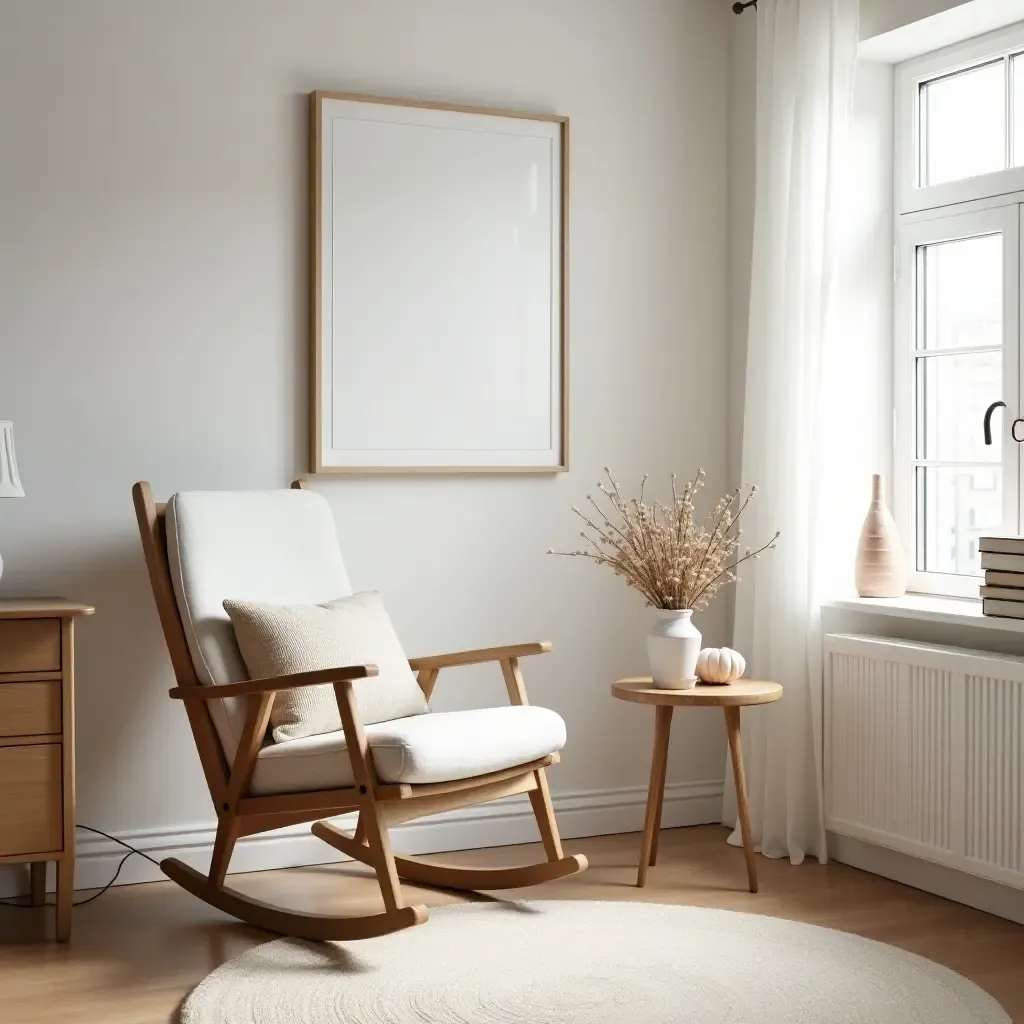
[739,7]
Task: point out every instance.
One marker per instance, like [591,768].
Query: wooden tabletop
[640,690]
[41,608]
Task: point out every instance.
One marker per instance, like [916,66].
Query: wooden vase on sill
[881,569]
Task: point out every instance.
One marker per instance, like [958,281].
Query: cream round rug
[590,963]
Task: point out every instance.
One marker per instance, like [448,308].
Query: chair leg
[371,814]
[544,812]
[228,829]
[382,858]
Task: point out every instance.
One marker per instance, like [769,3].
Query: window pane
[952,394]
[955,506]
[960,293]
[1017,71]
[963,124]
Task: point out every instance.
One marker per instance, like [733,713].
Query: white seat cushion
[436,747]
[276,547]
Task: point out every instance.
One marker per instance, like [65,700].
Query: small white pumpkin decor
[720,665]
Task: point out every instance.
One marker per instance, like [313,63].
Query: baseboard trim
[993,897]
[502,823]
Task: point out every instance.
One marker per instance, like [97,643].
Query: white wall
[153,324]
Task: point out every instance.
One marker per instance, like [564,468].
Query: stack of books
[1002,558]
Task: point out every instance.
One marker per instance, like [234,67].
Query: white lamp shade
[10,482]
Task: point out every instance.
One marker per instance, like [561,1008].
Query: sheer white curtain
[806,54]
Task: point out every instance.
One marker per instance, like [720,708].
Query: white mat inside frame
[590,963]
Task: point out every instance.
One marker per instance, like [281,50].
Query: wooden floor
[138,950]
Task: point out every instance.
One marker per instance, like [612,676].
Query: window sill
[957,611]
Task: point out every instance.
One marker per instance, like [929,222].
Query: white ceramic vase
[673,646]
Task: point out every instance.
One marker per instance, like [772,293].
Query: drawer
[30,709]
[30,645]
[31,801]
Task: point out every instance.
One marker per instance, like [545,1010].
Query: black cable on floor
[10,901]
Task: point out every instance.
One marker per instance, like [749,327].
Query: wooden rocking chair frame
[379,805]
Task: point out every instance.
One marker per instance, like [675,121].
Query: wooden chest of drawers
[37,743]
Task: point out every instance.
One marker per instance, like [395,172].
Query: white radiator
[924,752]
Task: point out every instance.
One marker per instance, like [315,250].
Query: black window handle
[988,420]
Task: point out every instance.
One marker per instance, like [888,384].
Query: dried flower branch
[660,550]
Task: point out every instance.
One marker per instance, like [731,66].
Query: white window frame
[1003,220]
[985,204]
[912,197]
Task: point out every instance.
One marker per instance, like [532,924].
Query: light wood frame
[379,805]
[730,698]
[317,464]
[37,656]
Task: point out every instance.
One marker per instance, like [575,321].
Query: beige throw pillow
[283,639]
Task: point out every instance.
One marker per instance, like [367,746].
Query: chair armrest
[272,684]
[437,661]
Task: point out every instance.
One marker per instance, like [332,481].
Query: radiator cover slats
[924,752]
[994,741]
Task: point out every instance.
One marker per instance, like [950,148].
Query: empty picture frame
[438,273]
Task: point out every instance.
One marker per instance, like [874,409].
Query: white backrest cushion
[276,547]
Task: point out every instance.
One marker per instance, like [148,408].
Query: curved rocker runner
[380,804]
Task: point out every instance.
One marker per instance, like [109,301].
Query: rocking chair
[281,547]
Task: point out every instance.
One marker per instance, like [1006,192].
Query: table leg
[37,882]
[732,728]
[656,791]
[65,895]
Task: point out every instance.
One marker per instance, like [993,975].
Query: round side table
[730,698]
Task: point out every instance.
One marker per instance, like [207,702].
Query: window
[960,204]
[962,119]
